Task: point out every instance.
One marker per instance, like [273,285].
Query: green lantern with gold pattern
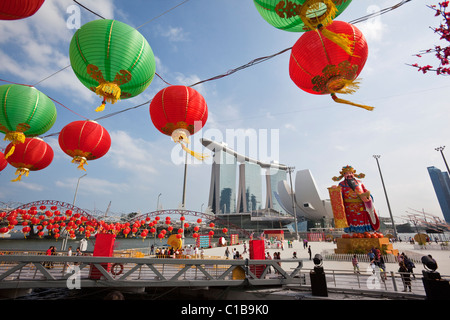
[300,15]
[112,59]
[25,112]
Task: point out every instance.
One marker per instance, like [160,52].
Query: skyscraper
[249,182]
[273,176]
[250,187]
[222,194]
[441,184]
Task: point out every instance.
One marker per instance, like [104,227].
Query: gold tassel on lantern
[81,162]
[181,136]
[344,86]
[15,137]
[339,100]
[110,91]
[21,172]
[320,23]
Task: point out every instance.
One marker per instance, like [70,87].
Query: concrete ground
[441,256]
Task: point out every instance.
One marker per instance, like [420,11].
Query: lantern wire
[380,12]
[230,72]
[86,8]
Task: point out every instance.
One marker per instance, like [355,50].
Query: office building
[441,185]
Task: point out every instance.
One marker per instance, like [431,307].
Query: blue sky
[203,38]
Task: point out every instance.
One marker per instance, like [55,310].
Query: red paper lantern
[224,230]
[32,155]
[319,66]
[179,111]
[211,225]
[19,9]
[3,162]
[195,235]
[84,140]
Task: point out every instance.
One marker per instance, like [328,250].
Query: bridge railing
[20,271]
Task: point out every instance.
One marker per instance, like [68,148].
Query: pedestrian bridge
[38,271]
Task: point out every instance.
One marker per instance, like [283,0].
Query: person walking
[405,275]
[409,265]
[227,253]
[355,264]
[309,252]
[268,257]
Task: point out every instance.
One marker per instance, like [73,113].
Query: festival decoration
[83,141]
[305,15]
[3,162]
[358,205]
[112,59]
[175,242]
[319,66]
[19,9]
[300,15]
[32,155]
[25,112]
[179,111]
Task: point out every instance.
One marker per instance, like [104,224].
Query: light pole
[440,149]
[76,190]
[64,242]
[385,193]
[157,202]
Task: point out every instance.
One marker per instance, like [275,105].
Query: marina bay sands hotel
[236,192]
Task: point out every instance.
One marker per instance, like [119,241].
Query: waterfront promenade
[441,256]
[212,272]
[341,279]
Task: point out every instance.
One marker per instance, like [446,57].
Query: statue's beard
[351,182]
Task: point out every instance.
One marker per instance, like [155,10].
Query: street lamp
[157,202]
[440,149]
[76,190]
[385,193]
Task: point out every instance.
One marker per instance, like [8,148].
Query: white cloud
[173,34]
[132,154]
[91,185]
[373,29]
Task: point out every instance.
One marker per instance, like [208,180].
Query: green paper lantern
[112,59]
[25,112]
[300,15]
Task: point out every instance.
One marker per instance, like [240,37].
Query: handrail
[50,271]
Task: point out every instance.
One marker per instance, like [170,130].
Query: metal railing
[32,271]
[24,271]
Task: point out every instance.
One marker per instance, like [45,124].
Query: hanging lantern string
[230,72]
[86,8]
[380,12]
[32,86]
[358,20]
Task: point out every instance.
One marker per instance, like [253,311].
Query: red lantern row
[82,140]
